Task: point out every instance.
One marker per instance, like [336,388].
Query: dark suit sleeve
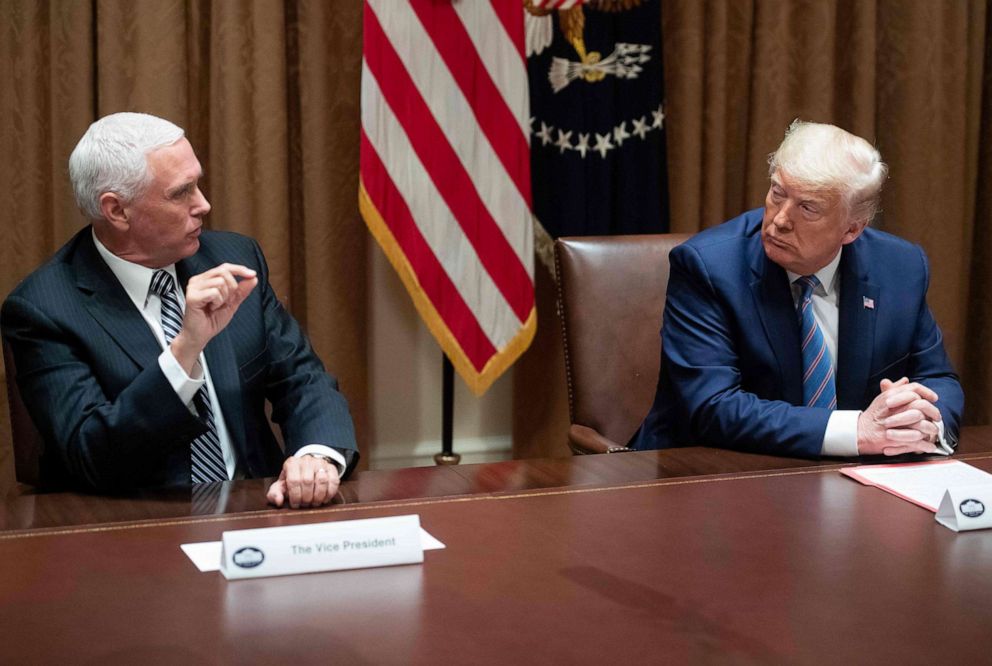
[700,356]
[102,444]
[929,365]
[306,402]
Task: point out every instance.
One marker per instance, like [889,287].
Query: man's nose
[782,218]
[201,206]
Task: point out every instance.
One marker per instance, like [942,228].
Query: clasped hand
[901,419]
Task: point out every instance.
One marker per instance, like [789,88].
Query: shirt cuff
[943,447]
[327,452]
[184,385]
[841,435]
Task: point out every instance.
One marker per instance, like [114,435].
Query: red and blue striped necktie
[818,372]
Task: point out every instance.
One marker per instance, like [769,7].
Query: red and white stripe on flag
[445,171]
[555,4]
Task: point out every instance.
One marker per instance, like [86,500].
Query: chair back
[28,442]
[611,295]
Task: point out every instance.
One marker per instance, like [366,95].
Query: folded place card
[966,508]
[348,544]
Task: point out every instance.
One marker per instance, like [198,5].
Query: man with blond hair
[147,347]
[797,329]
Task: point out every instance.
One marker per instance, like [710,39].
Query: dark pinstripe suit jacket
[88,372]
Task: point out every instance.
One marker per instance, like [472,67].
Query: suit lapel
[221,359]
[856,327]
[110,305]
[114,311]
[773,298]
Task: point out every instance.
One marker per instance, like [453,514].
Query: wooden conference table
[628,557]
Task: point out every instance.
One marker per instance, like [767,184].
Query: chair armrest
[583,439]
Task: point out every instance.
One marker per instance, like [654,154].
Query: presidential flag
[597,116]
[445,171]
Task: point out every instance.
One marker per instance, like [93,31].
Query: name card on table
[966,508]
[348,544]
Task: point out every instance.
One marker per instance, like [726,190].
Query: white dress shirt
[136,280]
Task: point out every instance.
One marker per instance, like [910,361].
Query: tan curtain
[268,94]
[914,76]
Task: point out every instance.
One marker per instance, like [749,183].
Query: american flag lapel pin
[869,303]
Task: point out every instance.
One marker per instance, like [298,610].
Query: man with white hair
[147,346]
[796,329]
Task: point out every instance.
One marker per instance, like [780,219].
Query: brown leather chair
[28,442]
[611,294]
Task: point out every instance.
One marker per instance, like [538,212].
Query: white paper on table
[921,483]
[206,554]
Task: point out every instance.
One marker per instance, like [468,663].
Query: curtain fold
[978,359]
[332,240]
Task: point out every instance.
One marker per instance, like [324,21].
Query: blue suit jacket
[87,368]
[731,368]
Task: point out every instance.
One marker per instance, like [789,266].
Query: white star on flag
[583,145]
[620,133]
[603,144]
[545,134]
[641,128]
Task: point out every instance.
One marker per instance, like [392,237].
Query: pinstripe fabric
[206,458]
[818,372]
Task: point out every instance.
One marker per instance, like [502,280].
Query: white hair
[825,158]
[112,157]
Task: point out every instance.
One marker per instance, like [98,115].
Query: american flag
[445,171]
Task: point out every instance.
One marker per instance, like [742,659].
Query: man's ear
[112,207]
[854,230]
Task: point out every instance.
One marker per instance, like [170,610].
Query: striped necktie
[818,372]
[206,459]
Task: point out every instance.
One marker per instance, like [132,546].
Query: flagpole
[447,455]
